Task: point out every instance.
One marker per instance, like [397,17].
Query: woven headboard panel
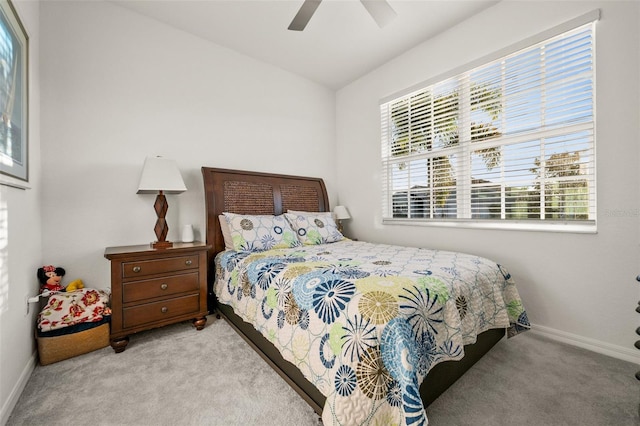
[244,192]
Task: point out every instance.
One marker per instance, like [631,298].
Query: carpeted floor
[179,376]
[532,380]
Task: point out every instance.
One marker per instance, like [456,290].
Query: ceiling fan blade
[380,11]
[303,16]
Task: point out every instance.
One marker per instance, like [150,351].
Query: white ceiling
[340,44]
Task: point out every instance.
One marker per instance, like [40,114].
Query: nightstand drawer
[151,267]
[159,287]
[159,311]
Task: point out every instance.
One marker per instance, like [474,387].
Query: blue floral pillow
[260,232]
[314,228]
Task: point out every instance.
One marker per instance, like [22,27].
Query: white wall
[574,287]
[20,244]
[116,87]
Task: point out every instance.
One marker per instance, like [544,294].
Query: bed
[365,333]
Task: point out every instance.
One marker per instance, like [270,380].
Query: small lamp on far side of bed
[161,176]
[341,213]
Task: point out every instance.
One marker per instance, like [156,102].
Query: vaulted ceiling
[340,44]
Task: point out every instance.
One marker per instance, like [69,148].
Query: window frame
[575,225]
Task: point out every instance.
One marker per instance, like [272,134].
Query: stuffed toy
[50,278]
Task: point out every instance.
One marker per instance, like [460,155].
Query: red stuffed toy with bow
[50,278]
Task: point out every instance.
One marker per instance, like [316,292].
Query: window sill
[586,227]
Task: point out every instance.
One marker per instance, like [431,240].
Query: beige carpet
[532,380]
[169,376]
[179,376]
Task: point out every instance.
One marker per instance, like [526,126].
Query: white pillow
[314,227]
[304,212]
[260,232]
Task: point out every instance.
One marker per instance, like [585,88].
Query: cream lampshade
[160,176]
[341,213]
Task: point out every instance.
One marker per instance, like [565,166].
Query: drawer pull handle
[164,310]
[188,262]
[164,286]
[137,269]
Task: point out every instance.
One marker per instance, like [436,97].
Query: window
[507,142]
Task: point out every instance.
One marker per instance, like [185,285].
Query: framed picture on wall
[14,67]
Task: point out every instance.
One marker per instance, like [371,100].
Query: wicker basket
[58,348]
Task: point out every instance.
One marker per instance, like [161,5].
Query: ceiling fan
[379,10]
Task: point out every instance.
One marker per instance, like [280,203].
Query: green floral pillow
[314,228]
[260,232]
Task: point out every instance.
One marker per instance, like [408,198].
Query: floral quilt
[366,322]
[64,309]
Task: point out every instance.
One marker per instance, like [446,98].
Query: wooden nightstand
[156,287]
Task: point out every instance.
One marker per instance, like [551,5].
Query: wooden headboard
[244,192]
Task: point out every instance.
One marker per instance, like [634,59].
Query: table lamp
[341,213]
[161,176]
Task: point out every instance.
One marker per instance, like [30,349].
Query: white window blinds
[510,140]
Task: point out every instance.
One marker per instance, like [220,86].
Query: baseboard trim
[11,402]
[614,351]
